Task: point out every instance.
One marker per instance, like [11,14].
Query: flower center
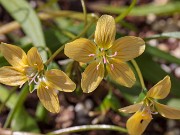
[32,73]
[103,56]
[149,106]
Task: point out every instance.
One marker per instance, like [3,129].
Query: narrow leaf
[162,54]
[29,123]
[175,34]
[153,72]
[170,8]
[21,11]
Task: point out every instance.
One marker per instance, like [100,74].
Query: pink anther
[91,55]
[104,60]
[112,67]
[115,54]
[98,65]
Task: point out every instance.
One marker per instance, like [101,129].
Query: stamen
[36,81]
[33,79]
[102,49]
[149,110]
[98,65]
[104,60]
[115,54]
[112,67]
[91,55]
[154,112]
[146,110]
[21,86]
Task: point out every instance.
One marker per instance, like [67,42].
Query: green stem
[126,12]
[139,74]
[18,104]
[85,12]
[62,47]
[87,128]
[54,55]
[65,13]
[68,34]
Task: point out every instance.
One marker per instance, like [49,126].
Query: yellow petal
[34,59]
[59,80]
[161,89]
[82,50]
[137,124]
[128,48]
[105,31]
[12,76]
[121,73]
[14,55]
[91,77]
[48,97]
[131,108]
[168,112]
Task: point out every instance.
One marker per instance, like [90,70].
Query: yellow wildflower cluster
[144,110]
[30,68]
[104,54]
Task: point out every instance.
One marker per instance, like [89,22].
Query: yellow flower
[137,123]
[30,68]
[105,53]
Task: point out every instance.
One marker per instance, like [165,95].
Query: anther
[104,60]
[98,65]
[102,49]
[33,79]
[115,54]
[112,67]
[91,55]
[154,112]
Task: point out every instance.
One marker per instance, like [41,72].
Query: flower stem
[18,104]
[54,55]
[126,12]
[85,12]
[62,47]
[139,74]
[87,128]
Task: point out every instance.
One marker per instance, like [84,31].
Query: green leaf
[154,51]
[153,73]
[54,38]
[41,113]
[109,102]
[130,94]
[29,123]
[21,11]
[174,102]
[141,97]
[31,87]
[175,34]
[22,121]
[4,94]
[144,10]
